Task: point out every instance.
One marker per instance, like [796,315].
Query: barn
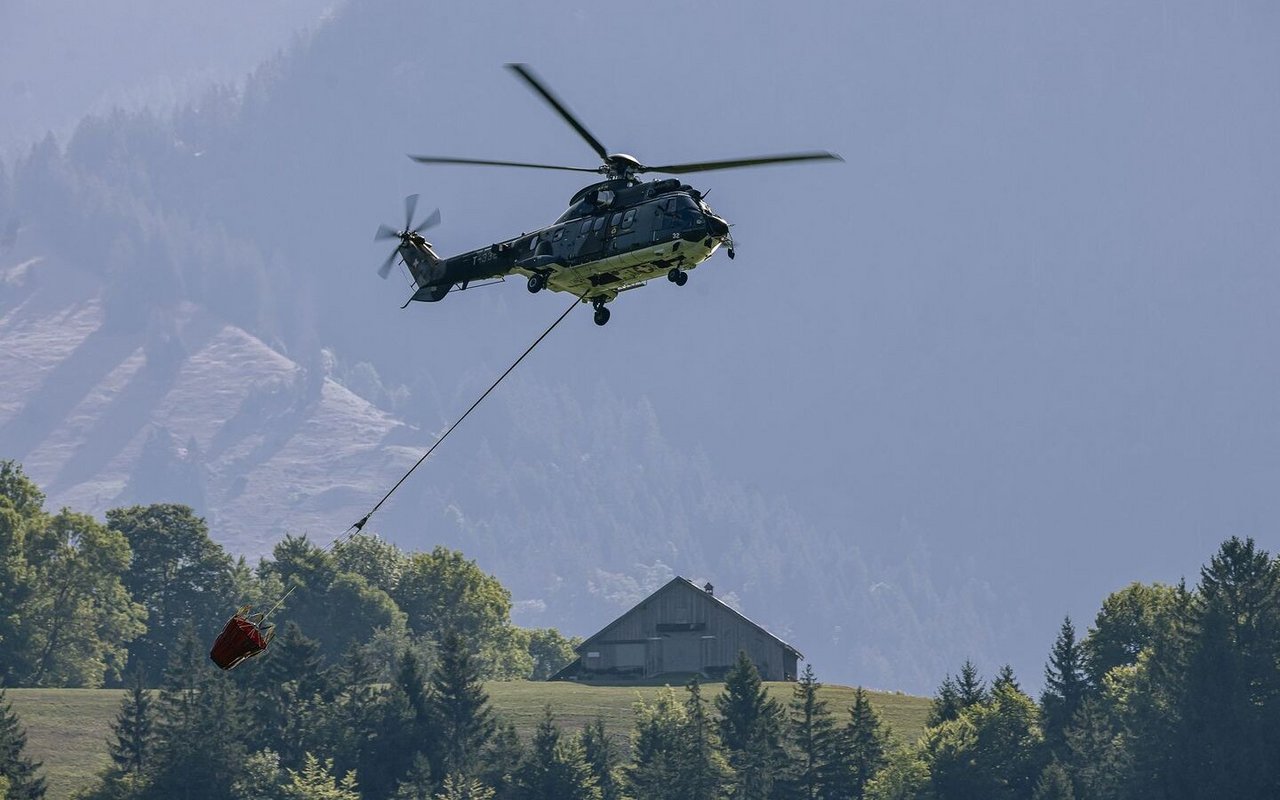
[679,629]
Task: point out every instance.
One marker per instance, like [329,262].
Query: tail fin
[429,272]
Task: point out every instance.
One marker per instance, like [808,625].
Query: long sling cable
[359,524]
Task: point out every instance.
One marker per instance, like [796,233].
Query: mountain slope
[185,408]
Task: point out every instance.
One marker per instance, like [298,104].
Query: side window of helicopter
[558,235]
[628,218]
[599,223]
[586,226]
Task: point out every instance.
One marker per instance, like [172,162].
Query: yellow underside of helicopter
[632,269]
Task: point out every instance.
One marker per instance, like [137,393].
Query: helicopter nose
[718,226]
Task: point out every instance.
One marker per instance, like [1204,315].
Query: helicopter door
[592,246]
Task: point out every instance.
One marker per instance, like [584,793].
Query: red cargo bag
[243,637]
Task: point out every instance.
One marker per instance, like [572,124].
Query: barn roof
[677,582]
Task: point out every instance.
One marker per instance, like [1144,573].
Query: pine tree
[600,755]
[417,783]
[554,768]
[134,730]
[970,690]
[15,765]
[865,749]
[1054,784]
[955,694]
[500,761]
[946,703]
[812,735]
[458,787]
[1009,745]
[286,698]
[702,770]
[1065,687]
[198,724]
[1229,706]
[402,730]
[460,709]
[1005,677]
[259,778]
[1152,709]
[353,710]
[316,781]
[750,731]
[1099,761]
[658,748]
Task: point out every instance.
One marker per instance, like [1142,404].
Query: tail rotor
[407,235]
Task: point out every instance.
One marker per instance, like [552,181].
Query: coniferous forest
[375,687]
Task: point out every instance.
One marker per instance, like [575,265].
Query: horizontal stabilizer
[431,294]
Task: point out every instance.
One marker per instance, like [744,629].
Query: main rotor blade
[430,222]
[525,72]
[704,166]
[385,269]
[482,162]
[386,232]
[410,206]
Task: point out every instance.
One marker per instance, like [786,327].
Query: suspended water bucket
[243,637]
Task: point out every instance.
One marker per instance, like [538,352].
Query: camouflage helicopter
[617,234]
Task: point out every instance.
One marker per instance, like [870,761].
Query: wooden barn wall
[618,646]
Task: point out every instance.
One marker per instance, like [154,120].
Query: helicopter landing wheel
[537,282]
[602,315]
[678,276]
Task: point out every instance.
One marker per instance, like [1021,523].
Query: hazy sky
[60,59]
[1032,320]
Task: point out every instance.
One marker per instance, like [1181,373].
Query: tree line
[292,729]
[85,603]
[1173,692]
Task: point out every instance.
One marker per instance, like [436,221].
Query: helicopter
[617,234]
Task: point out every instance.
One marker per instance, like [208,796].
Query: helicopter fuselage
[615,235]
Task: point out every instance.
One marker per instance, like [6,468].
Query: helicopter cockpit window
[598,224]
[628,218]
[685,210]
[577,210]
[586,226]
[558,235]
[616,221]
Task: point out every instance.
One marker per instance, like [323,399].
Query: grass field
[68,729]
